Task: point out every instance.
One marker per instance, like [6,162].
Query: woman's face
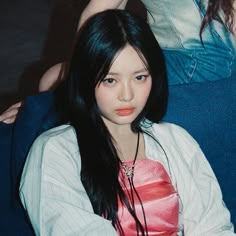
[123,93]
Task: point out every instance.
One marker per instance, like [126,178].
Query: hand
[9,116]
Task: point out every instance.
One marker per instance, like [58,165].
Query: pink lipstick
[124,111]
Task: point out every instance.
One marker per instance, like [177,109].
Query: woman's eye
[141,77]
[109,81]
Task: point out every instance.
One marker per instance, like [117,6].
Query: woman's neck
[125,141]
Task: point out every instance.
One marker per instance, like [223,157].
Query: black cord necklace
[129,170]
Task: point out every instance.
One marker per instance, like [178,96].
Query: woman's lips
[125,111]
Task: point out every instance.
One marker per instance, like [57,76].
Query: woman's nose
[126,92]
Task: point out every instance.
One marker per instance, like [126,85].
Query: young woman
[115,169]
[202,43]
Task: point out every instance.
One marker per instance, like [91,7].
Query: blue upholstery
[13,218]
[206,110]
[36,116]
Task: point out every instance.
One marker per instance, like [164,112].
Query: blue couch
[206,110]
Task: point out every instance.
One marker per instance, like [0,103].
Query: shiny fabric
[158,196]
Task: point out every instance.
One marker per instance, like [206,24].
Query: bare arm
[95,6]
[50,77]
[47,82]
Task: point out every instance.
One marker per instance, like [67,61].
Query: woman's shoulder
[55,147]
[172,145]
[59,138]
[171,134]
[165,128]
[61,130]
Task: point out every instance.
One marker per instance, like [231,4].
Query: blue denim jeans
[200,64]
[176,26]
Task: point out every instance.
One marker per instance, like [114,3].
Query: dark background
[34,35]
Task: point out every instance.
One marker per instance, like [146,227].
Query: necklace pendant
[129,171]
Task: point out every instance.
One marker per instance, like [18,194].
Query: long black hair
[97,44]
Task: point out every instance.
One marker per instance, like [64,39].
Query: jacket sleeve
[204,211]
[53,195]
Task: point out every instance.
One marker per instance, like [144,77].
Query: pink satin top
[158,196]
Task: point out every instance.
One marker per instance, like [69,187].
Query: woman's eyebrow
[141,71]
[135,72]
